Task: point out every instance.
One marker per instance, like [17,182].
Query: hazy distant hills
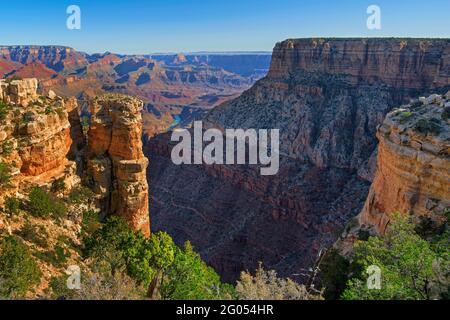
[246,64]
[168,83]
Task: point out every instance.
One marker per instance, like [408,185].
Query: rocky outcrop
[19,92]
[413,175]
[327,97]
[35,134]
[116,163]
[42,139]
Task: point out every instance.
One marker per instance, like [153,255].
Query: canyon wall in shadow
[327,97]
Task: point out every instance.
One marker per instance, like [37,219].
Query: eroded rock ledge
[35,133]
[413,175]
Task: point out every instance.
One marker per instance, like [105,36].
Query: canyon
[327,97]
[171,85]
[354,147]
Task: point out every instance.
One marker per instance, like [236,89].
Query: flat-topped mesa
[401,63]
[413,175]
[35,135]
[116,162]
[57,58]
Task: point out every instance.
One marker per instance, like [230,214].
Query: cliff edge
[413,174]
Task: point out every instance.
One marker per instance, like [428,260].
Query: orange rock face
[116,162]
[413,175]
[38,128]
[46,155]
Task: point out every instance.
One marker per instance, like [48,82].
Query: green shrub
[129,247]
[81,195]
[5,174]
[430,126]
[42,204]
[59,289]
[18,271]
[154,263]
[334,274]
[4,110]
[446,114]
[7,148]
[57,257]
[12,206]
[35,234]
[58,185]
[48,110]
[405,115]
[27,117]
[85,124]
[407,262]
[189,278]
[90,223]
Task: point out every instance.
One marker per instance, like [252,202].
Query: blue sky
[147,26]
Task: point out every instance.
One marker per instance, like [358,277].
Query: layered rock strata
[116,162]
[400,63]
[413,175]
[34,132]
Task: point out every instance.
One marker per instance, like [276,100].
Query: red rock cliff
[407,63]
[413,175]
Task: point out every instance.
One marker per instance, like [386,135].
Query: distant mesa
[180,58]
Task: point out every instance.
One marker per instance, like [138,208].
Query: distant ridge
[197,53]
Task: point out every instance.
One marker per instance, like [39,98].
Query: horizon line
[230,52]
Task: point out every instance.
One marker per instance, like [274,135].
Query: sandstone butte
[116,162]
[43,132]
